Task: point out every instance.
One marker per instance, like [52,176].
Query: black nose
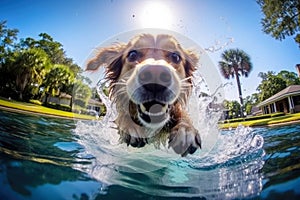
[155,77]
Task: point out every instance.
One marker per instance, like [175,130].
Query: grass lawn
[288,118]
[33,108]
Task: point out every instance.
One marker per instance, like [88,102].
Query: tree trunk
[20,96]
[71,103]
[21,81]
[46,98]
[240,92]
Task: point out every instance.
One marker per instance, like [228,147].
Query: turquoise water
[48,158]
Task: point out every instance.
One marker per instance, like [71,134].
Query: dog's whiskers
[183,94]
[185,86]
[119,92]
[182,98]
[118,84]
[185,79]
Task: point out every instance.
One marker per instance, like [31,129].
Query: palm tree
[59,77]
[235,63]
[28,67]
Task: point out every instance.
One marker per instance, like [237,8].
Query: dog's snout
[155,77]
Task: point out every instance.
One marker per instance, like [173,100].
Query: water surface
[48,158]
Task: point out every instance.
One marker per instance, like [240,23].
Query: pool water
[49,158]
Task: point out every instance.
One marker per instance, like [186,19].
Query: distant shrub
[80,102]
[58,107]
[278,114]
[34,101]
[79,110]
[102,110]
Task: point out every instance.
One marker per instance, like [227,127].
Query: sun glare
[156,15]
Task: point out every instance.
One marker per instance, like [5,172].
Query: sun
[156,15]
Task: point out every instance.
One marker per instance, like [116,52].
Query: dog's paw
[184,139]
[135,141]
[132,140]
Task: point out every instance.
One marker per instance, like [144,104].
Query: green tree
[7,43]
[25,71]
[281,18]
[250,101]
[57,56]
[270,85]
[235,63]
[54,50]
[273,83]
[32,68]
[7,78]
[7,39]
[233,107]
[59,77]
[291,78]
[27,43]
[81,94]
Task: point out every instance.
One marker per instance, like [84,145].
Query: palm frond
[235,61]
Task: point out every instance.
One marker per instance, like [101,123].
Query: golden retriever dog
[150,82]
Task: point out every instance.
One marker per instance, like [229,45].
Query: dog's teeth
[164,109]
[143,108]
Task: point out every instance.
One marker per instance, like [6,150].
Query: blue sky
[82,25]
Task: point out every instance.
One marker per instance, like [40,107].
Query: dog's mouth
[153,111]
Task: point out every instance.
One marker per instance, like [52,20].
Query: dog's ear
[192,60]
[106,56]
[109,57]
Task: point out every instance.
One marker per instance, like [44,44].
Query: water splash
[203,108]
[226,167]
[233,147]
[218,45]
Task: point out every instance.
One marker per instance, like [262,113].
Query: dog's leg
[184,137]
[130,132]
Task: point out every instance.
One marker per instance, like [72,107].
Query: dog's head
[151,72]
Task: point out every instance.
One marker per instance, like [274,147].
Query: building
[65,99]
[287,101]
[61,99]
[256,111]
[95,105]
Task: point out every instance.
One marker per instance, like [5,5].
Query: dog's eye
[175,58]
[132,56]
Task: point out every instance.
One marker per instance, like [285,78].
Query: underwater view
[49,158]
